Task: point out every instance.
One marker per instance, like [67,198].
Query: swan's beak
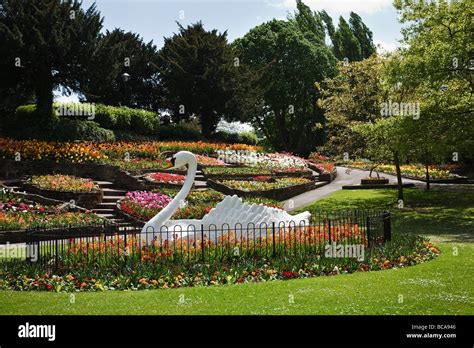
[169,165]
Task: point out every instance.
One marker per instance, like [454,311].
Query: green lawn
[442,286]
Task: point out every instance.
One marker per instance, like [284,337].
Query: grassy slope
[442,286]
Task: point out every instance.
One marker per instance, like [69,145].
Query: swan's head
[181,159]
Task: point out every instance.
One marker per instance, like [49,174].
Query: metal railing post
[387,227]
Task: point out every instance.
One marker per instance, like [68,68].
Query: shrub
[24,124]
[67,129]
[249,138]
[178,131]
[127,119]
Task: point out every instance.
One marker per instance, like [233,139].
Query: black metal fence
[114,246]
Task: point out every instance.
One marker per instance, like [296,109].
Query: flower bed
[437,174]
[206,161]
[86,152]
[67,183]
[143,205]
[84,192]
[399,253]
[160,179]
[18,214]
[280,189]
[250,172]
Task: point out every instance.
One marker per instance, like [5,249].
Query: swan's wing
[233,211]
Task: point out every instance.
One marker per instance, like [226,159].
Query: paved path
[344,177]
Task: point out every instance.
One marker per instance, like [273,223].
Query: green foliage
[287,115]
[54,49]
[352,41]
[433,69]
[127,119]
[198,75]
[249,138]
[105,83]
[352,97]
[67,129]
[27,123]
[178,132]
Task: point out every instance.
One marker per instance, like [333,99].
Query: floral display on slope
[166,178]
[60,182]
[17,214]
[245,185]
[88,152]
[232,273]
[144,204]
[209,161]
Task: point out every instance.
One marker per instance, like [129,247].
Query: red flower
[241,280]
[287,275]
[295,274]
[49,287]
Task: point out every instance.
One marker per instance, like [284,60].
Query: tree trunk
[427,176]
[396,159]
[44,96]
[208,124]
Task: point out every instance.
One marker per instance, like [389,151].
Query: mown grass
[442,286]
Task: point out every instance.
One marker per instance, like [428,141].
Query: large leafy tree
[352,97]
[49,42]
[122,71]
[434,69]
[352,41]
[288,57]
[198,72]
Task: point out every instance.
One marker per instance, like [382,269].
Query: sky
[156,19]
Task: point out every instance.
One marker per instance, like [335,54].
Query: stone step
[105,205]
[200,184]
[104,183]
[103,211]
[110,199]
[113,192]
[107,216]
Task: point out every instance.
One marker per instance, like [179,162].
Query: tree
[434,69]
[352,41]
[363,35]
[197,71]
[50,42]
[288,59]
[352,97]
[118,53]
[345,43]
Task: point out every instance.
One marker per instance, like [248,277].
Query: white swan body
[231,211]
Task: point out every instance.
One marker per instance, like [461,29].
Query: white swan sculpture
[230,211]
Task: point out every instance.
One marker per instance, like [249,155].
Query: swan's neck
[167,212]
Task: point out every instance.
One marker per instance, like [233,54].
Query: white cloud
[359,6]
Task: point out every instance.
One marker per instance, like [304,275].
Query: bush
[24,124]
[127,119]
[179,132]
[249,138]
[124,119]
[67,129]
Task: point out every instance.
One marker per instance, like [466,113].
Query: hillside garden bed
[83,192]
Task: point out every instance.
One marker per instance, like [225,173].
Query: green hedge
[127,119]
[25,123]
